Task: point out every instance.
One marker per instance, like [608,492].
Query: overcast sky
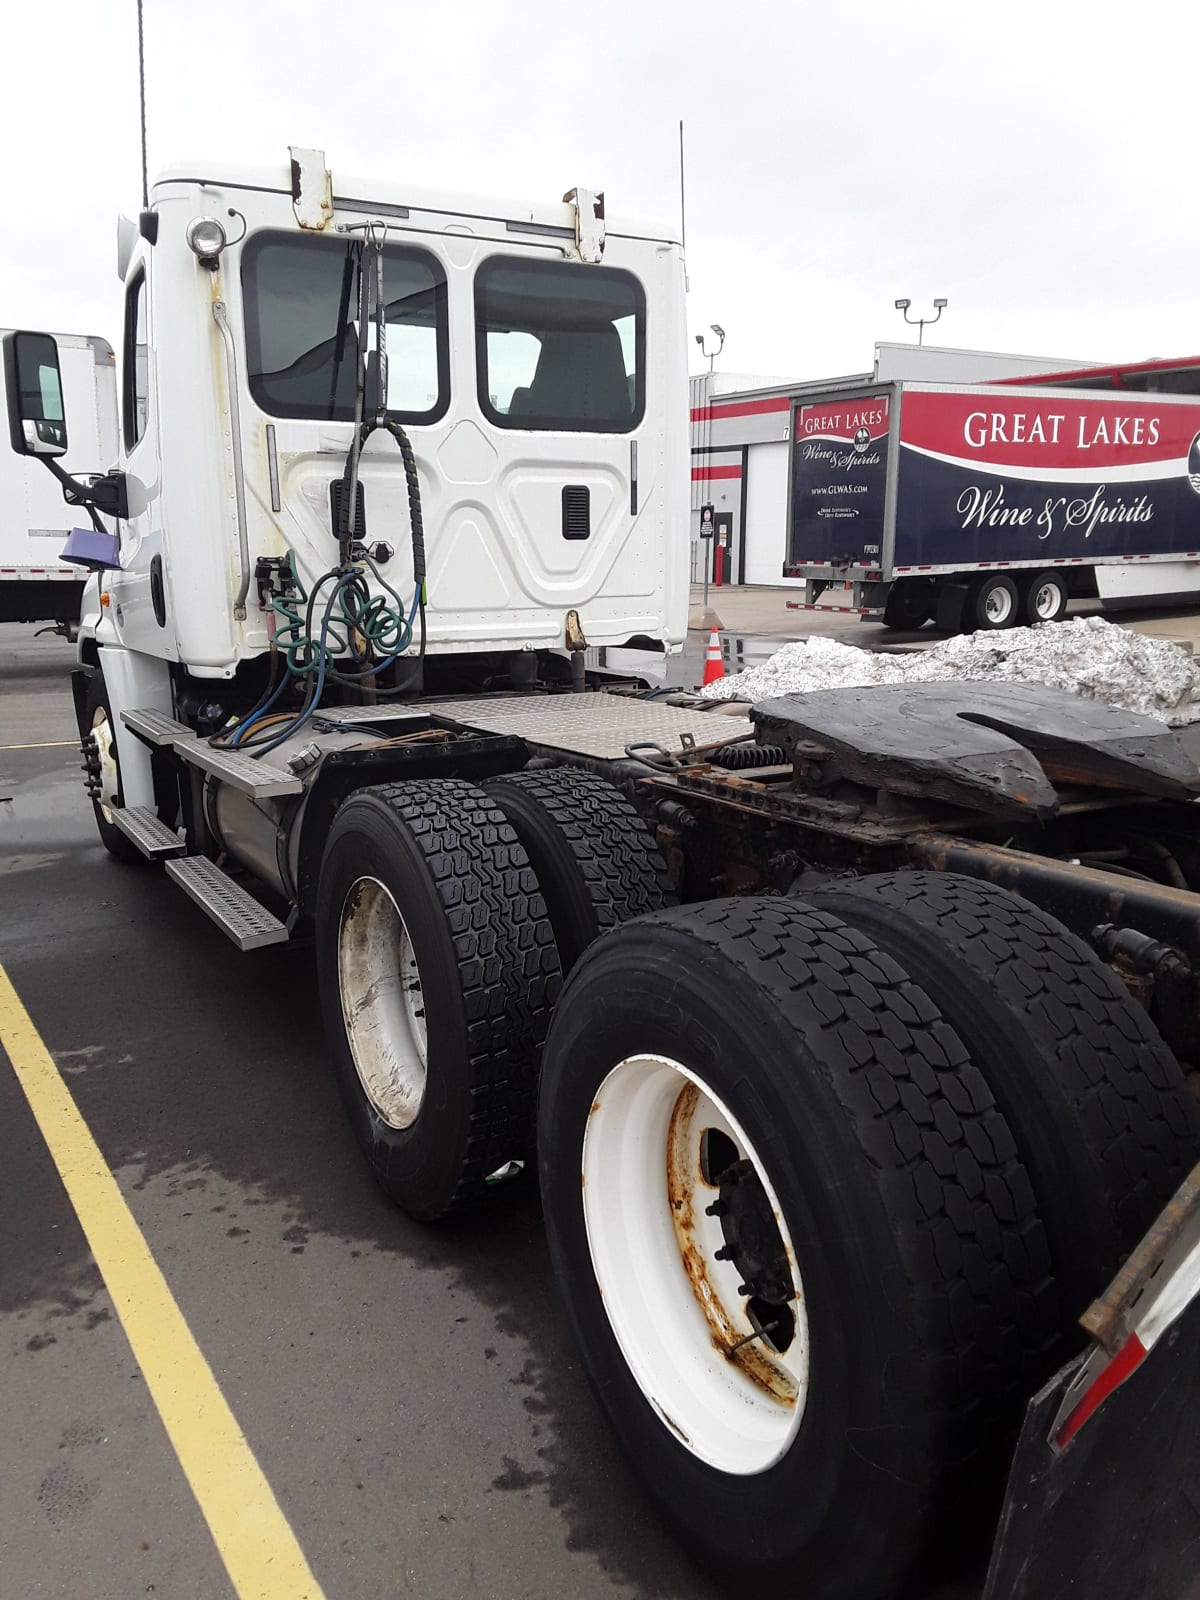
[1032,162]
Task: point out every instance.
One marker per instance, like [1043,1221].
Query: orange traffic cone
[714,662]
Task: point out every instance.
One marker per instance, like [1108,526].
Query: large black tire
[1044,597]
[98,720]
[910,604]
[1095,1100]
[924,1269]
[487,973]
[992,603]
[594,857]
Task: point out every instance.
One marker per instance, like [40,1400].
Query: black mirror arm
[106,495]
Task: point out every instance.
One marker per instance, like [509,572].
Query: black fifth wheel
[795,1243]
[437,972]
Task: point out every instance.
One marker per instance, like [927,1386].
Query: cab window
[301,309]
[559,346]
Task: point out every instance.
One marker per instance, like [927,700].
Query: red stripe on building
[741,408]
[701,474]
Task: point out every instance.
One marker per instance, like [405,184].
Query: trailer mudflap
[996,747]
[1104,1490]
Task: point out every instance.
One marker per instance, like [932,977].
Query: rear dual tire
[1095,1101]
[445,915]
[919,1271]
[437,973]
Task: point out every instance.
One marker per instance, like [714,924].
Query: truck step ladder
[153,838]
[235,912]
[231,766]
[155,727]
[238,771]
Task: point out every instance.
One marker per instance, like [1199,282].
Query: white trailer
[830,1162]
[36,585]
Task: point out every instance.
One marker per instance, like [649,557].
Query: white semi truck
[837,1135]
[36,584]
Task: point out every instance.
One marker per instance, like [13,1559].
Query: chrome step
[156,727]
[237,770]
[153,838]
[234,911]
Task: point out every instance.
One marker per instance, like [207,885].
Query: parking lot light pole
[920,322]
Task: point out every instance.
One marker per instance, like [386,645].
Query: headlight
[206,238]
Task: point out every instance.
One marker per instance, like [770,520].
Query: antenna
[682,200]
[142,93]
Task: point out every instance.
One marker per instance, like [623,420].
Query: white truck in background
[36,585]
[837,1135]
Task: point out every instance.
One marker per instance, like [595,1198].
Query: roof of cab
[359,193]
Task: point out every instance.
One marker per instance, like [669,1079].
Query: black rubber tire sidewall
[1068,1117]
[607,871]
[1030,587]
[908,607]
[975,614]
[113,840]
[440,1161]
[852,1499]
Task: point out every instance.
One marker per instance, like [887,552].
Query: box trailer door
[840,449]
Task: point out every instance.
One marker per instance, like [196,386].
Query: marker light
[206,239]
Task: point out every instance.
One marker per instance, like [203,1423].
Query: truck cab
[535,355]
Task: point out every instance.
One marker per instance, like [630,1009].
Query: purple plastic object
[99,552]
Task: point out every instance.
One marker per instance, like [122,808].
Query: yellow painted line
[259,1549]
[48,744]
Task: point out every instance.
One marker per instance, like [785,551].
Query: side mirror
[37,421]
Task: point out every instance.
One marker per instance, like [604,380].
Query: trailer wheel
[1096,1102]
[909,605]
[992,602]
[1044,598]
[102,770]
[795,1244]
[594,857]
[437,974]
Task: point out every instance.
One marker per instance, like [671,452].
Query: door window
[559,346]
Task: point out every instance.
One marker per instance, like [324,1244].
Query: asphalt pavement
[409,1391]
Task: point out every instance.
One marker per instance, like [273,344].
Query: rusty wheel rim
[383,1002]
[678,1209]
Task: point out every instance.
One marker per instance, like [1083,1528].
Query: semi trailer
[36,583]
[987,506]
[848,1034]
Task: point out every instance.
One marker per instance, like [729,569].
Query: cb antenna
[142,95]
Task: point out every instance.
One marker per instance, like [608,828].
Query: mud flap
[1104,1491]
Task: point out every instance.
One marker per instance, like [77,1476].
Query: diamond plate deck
[598,725]
[153,838]
[235,912]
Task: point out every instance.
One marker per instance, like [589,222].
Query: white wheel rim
[102,738]
[383,1003]
[998,605]
[674,1307]
[1045,601]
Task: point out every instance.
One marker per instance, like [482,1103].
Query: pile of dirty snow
[1086,655]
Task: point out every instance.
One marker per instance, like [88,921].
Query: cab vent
[577,514]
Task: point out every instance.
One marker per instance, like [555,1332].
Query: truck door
[139,589]
[561,386]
